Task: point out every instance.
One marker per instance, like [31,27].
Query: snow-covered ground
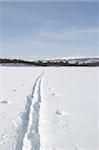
[53,108]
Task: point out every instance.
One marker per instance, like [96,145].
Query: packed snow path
[31,139]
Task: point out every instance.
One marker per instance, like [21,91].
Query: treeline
[66,63]
[14,61]
[70,62]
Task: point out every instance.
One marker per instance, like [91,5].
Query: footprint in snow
[58,112]
[4,102]
[61,113]
[56,94]
[14,90]
[51,88]
[53,94]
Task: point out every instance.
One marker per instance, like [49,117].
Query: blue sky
[49,29]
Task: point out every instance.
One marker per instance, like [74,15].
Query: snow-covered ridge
[51,62]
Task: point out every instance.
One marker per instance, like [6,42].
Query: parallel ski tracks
[30,138]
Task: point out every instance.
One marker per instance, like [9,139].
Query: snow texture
[49,108]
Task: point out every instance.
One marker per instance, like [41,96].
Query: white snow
[58,111]
[16,88]
[69,109]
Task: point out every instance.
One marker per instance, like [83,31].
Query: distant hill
[52,62]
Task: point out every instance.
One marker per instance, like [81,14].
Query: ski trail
[30,139]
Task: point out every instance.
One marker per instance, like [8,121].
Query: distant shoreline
[53,62]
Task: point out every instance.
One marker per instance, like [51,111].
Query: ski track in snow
[29,137]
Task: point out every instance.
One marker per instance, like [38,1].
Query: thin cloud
[93,30]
